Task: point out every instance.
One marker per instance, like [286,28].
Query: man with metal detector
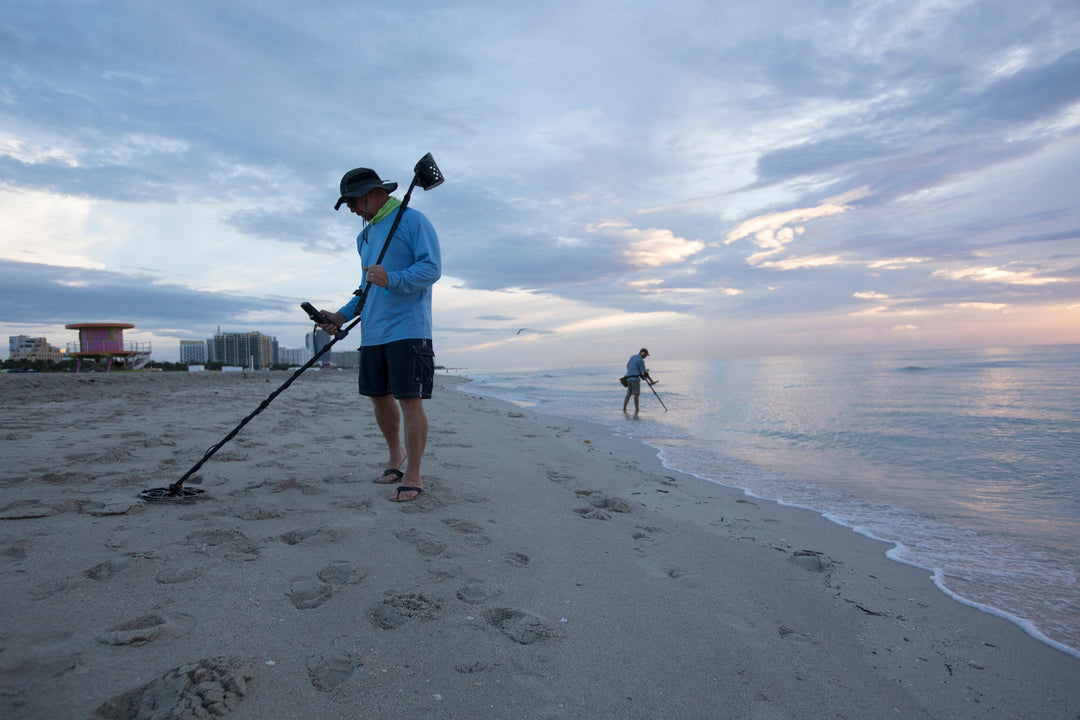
[397,361]
[635,370]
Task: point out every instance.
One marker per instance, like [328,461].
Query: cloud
[991,274]
[650,247]
[979,306]
[774,231]
[59,295]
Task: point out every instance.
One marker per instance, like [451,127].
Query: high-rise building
[319,339]
[344,358]
[316,341]
[250,349]
[294,356]
[193,352]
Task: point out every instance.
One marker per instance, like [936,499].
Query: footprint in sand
[342,479]
[173,576]
[295,537]
[233,543]
[50,587]
[478,592]
[474,533]
[232,456]
[294,484]
[472,498]
[211,687]
[470,668]
[14,547]
[147,629]
[812,560]
[258,513]
[306,595]
[395,611]
[443,569]
[27,510]
[246,490]
[517,559]
[796,636]
[520,626]
[71,479]
[108,569]
[557,476]
[328,671]
[644,532]
[40,658]
[340,573]
[611,504]
[425,543]
[117,506]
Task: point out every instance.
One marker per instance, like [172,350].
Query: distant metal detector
[656,394]
[427,175]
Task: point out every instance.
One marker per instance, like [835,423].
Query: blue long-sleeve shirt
[635,366]
[413,262]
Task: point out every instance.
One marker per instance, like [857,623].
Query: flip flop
[389,477]
[407,488]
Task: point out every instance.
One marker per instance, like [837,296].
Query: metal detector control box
[316,316]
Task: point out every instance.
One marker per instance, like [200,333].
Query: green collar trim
[388,207]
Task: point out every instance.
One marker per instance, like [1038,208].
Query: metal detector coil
[427,173]
[171,493]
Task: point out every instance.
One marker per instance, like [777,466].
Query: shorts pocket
[423,364]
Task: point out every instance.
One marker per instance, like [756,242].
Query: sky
[705,179]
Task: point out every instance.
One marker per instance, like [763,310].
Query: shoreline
[551,570]
[934,574]
[892,552]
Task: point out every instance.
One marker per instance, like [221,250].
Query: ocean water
[967,461]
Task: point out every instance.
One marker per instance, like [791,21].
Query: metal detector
[656,394]
[427,175]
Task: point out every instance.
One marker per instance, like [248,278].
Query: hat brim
[362,189]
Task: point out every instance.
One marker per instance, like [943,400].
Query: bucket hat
[361,181]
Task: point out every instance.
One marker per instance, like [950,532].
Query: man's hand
[377,275]
[337,321]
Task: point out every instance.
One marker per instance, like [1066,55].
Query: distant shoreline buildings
[24,347]
[228,349]
[242,349]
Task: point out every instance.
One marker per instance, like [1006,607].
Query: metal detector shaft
[427,173]
[382,253]
[657,395]
[176,486]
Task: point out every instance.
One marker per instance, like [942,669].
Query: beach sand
[549,571]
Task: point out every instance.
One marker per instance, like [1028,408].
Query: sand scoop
[427,175]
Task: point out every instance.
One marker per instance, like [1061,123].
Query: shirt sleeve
[427,267]
[349,308]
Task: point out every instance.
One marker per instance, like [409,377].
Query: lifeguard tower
[105,341]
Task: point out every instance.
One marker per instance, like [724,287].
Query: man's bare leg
[388,419]
[416,432]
